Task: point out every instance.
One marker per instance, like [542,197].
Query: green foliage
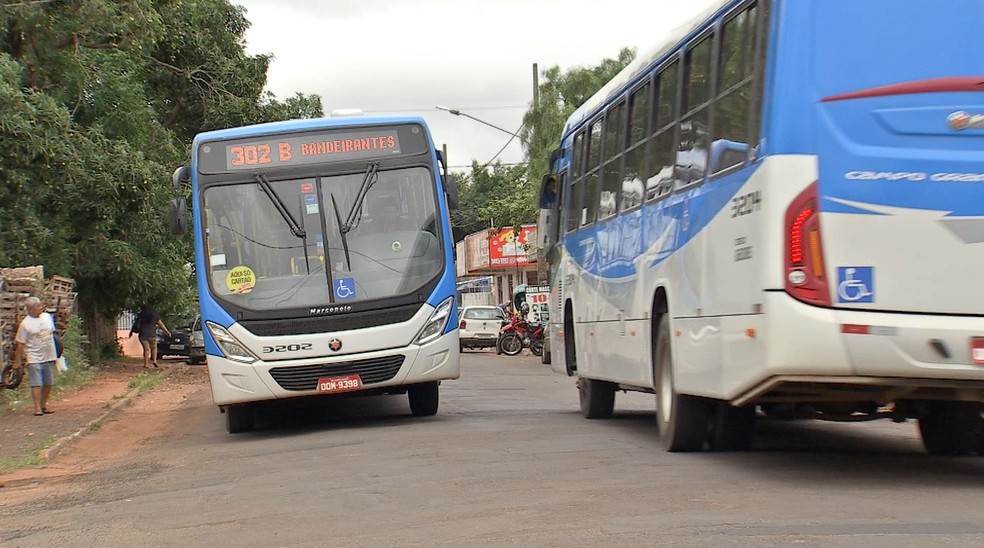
[504,196]
[561,93]
[99,101]
[74,344]
[498,196]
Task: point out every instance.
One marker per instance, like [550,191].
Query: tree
[99,101]
[560,94]
[496,196]
[506,196]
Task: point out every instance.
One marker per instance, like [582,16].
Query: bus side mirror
[451,189]
[548,191]
[180,175]
[177,217]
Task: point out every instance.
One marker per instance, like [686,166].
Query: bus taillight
[805,278]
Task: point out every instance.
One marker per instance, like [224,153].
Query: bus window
[732,110]
[611,174]
[635,159]
[694,146]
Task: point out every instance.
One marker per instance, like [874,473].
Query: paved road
[508,461]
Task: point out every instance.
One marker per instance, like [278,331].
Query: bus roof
[305,124]
[634,70]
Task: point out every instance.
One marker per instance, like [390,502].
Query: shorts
[41,374]
[148,340]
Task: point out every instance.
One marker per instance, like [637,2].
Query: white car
[478,326]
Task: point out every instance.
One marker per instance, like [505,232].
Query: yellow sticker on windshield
[240,280]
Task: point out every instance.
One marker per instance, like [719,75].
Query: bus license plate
[977,349]
[345,383]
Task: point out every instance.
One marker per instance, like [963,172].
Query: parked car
[196,355]
[178,344]
[478,326]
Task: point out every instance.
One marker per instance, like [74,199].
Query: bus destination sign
[299,149]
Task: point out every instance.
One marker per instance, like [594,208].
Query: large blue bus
[324,261]
[778,210]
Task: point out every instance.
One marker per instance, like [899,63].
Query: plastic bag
[61,365]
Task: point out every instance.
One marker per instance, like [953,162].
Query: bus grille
[305,377]
[330,324]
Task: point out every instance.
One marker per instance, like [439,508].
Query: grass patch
[74,378]
[146,381]
[10,464]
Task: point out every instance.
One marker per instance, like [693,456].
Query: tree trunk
[101,332]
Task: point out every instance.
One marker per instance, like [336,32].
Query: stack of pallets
[16,285]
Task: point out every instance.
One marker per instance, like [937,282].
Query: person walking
[145,326]
[36,345]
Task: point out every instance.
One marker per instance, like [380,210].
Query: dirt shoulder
[85,431]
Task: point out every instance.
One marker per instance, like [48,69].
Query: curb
[64,441]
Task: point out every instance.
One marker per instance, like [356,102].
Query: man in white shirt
[36,345]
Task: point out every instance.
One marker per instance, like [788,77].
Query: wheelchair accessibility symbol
[856,284]
[344,288]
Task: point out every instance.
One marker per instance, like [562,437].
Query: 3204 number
[746,204]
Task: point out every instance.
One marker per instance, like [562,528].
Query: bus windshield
[341,250]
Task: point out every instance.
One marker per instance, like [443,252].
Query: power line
[501,150]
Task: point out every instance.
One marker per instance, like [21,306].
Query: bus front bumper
[235,382]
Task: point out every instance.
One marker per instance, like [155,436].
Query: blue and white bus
[779,210]
[324,261]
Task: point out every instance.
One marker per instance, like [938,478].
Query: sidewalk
[74,412]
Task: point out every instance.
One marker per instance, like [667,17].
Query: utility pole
[536,87]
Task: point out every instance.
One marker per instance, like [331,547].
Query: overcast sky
[405,57]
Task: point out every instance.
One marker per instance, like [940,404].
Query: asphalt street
[508,460]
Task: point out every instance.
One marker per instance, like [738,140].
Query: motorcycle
[536,339]
[513,336]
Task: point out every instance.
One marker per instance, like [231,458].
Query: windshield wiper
[352,220]
[292,223]
[278,204]
[341,233]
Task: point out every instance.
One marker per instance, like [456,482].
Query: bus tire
[682,420]
[239,418]
[570,345]
[732,428]
[950,427]
[597,398]
[424,399]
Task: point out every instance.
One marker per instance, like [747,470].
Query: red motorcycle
[536,339]
[513,336]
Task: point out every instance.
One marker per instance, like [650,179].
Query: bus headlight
[436,323]
[230,346]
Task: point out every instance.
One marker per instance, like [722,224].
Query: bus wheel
[424,399]
[597,398]
[732,428]
[950,427]
[682,419]
[570,346]
[239,418]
